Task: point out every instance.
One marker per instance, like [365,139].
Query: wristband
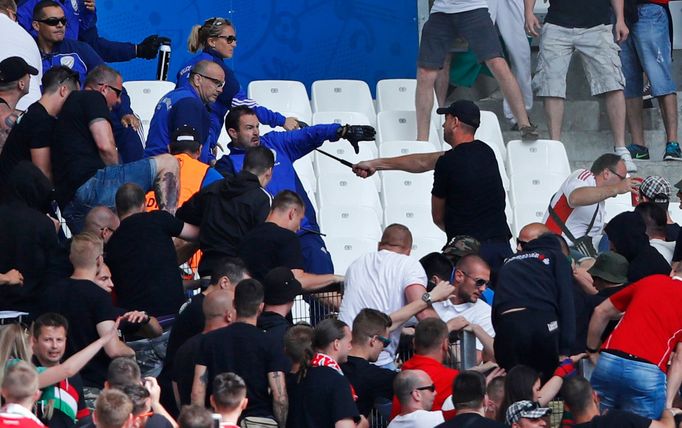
[592,350]
[565,369]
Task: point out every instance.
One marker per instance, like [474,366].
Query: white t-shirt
[457,6]
[576,218]
[418,419]
[475,313]
[665,248]
[17,42]
[378,280]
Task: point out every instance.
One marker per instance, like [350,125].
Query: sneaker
[672,151]
[529,132]
[638,152]
[625,155]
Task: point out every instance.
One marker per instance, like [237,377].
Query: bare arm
[532,22]
[438,212]
[311,281]
[280,401]
[667,420]
[155,395]
[114,347]
[583,196]
[620,29]
[104,138]
[41,158]
[77,361]
[414,292]
[600,318]
[486,340]
[439,293]
[674,376]
[189,232]
[199,385]
[415,163]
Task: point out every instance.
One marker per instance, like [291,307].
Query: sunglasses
[431,388]
[479,282]
[384,340]
[228,39]
[218,83]
[53,21]
[116,90]
[616,174]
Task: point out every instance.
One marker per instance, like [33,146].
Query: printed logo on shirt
[67,61]
[552,326]
[541,257]
[74,5]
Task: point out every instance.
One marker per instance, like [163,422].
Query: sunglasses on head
[53,21]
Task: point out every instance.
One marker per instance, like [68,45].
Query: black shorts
[441,30]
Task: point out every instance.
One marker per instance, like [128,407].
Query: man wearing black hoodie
[627,237]
[229,208]
[28,237]
[533,313]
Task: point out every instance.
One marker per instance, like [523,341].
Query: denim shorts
[598,52]
[101,189]
[441,30]
[647,49]
[629,385]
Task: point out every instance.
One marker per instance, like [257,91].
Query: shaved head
[397,238]
[217,304]
[532,231]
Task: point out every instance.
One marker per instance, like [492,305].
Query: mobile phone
[216,419]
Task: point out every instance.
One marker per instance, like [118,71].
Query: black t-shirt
[75,157]
[28,243]
[583,313]
[268,246]
[470,420]
[188,323]
[34,130]
[143,263]
[322,398]
[276,326]
[84,304]
[183,367]
[468,178]
[616,418]
[248,351]
[677,255]
[672,231]
[578,13]
[370,382]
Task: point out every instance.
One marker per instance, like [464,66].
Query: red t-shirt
[16,416]
[652,324]
[442,378]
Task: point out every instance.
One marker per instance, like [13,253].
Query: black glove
[355,133]
[150,46]
[302,124]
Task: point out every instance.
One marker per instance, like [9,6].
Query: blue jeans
[629,385]
[647,49]
[101,189]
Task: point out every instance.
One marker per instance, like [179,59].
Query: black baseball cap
[185,133]
[280,286]
[466,111]
[14,68]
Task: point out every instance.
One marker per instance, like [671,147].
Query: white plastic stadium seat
[423,246]
[417,218]
[675,212]
[490,132]
[343,150]
[617,205]
[397,184]
[343,95]
[401,125]
[349,220]
[282,96]
[345,250]
[535,188]
[396,94]
[306,172]
[525,213]
[338,189]
[144,95]
[540,155]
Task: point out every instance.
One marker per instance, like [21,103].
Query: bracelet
[591,350]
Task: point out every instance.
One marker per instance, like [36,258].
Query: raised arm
[114,347]
[589,195]
[439,293]
[415,163]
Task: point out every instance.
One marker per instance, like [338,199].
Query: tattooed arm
[280,401]
[199,385]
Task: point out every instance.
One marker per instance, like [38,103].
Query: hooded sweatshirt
[28,239]
[627,235]
[539,279]
[225,211]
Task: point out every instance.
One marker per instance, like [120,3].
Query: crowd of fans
[170,302]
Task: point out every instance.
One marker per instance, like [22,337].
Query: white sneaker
[624,153]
